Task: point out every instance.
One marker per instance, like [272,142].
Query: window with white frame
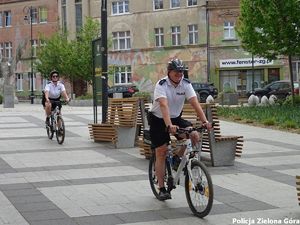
[159,37]
[120,7]
[193,34]
[8,50]
[33,81]
[123,75]
[78,15]
[158,4]
[175,34]
[34,14]
[121,40]
[19,82]
[43,15]
[7,17]
[34,47]
[191,2]
[175,3]
[1,20]
[229,32]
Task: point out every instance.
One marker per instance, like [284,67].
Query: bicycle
[198,182]
[56,124]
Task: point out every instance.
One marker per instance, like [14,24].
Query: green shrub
[288,100]
[84,97]
[289,124]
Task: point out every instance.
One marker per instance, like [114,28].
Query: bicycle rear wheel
[153,178]
[49,129]
[60,130]
[199,194]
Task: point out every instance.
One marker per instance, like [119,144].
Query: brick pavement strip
[82,182]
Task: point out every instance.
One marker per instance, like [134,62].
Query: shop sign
[246,62]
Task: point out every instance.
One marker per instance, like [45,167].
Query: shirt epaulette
[187,80]
[162,81]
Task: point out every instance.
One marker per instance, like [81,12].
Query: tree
[72,58]
[270,28]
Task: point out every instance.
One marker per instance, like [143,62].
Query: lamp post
[207,41]
[31,53]
[104,59]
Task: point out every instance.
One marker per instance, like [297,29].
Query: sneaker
[163,194]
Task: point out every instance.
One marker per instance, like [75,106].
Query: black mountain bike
[56,124]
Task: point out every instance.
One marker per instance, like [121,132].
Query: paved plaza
[87,183]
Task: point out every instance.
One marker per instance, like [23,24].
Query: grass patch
[279,116]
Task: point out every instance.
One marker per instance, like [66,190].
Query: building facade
[143,36]
[23,27]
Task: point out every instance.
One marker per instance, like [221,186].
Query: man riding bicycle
[165,116]
[53,92]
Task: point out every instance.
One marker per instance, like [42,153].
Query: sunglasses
[54,76]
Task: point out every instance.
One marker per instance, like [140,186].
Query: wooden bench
[222,149]
[298,188]
[121,125]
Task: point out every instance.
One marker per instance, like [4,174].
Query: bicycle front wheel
[199,189]
[49,129]
[60,130]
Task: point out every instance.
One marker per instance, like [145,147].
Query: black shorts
[54,103]
[158,130]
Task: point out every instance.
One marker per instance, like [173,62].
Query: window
[193,34]
[8,50]
[7,17]
[64,15]
[1,21]
[33,81]
[158,4]
[121,40]
[123,75]
[159,37]
[120,7]
[19,82]
[78,15]
[229,32]
[34,14]
[43,15]
[175,3]
[175,33]
[1,51]
[34,47]
[191,2]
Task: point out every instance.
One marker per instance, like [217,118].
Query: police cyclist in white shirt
[165,116]
[53,92]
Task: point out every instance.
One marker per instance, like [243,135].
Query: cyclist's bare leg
[195,138]
[160,153]
[48,108]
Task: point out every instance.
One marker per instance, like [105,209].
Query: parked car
[126,90]
[203,90]
[281,89]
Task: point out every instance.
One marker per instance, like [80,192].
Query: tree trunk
[292,80]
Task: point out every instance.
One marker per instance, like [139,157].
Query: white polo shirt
[175,96]
[55,90]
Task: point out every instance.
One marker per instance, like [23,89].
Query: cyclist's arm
[46,95]
[163,103]
[64,94]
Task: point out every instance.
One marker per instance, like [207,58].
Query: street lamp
[207,41]
[31,53]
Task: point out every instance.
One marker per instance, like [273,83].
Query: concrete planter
[229,99]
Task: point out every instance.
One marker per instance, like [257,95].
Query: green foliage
[286,116]
[143,94]
[289,101]
[84,97]
[1,99]
[72,58]
[269,28]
